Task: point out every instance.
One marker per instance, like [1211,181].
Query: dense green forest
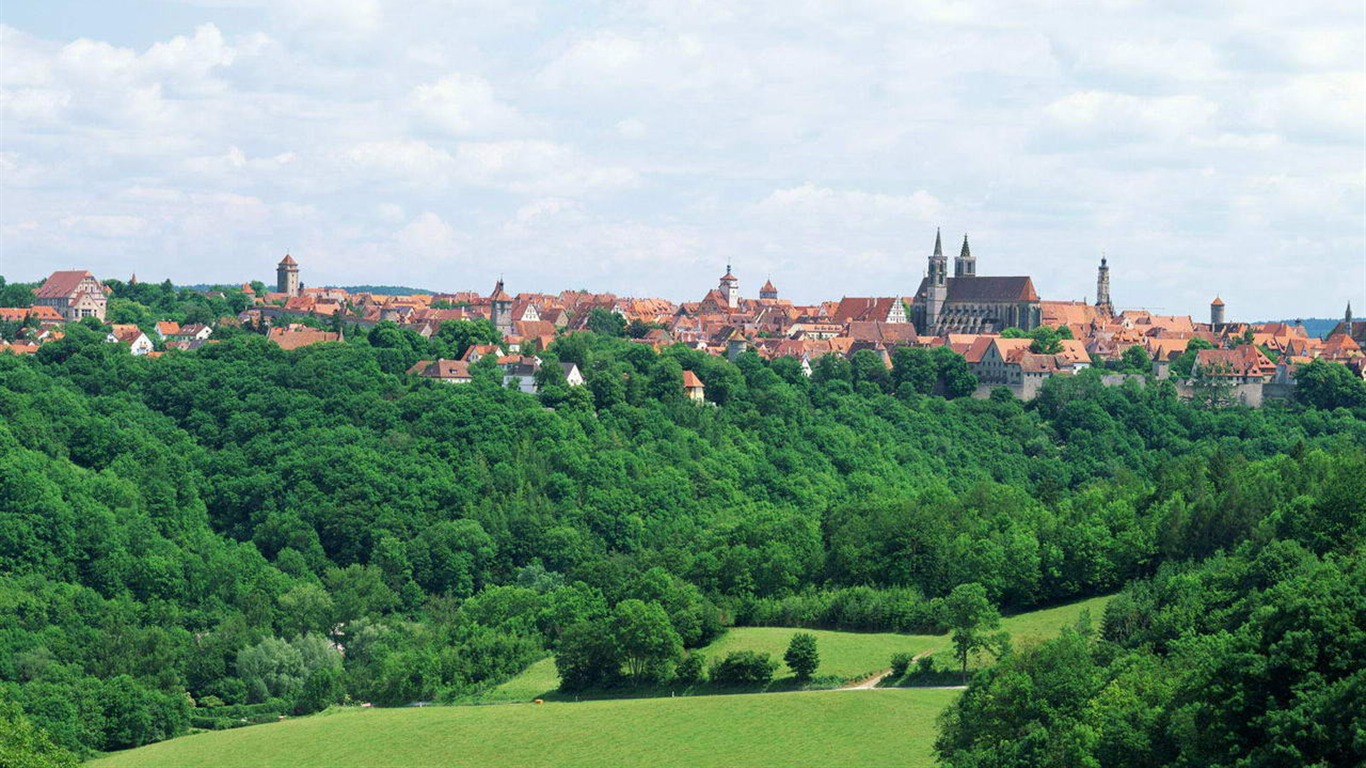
[193,540]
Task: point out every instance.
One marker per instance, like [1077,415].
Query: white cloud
[427,237]
[525,167]
[814,206]
[1098,118]
[105,226]
[1318,107]
[464,105]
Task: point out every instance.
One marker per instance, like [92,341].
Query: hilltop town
[1007,335]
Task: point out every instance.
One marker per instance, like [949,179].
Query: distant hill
[1314,326]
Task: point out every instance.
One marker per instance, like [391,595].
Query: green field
[846,655]
[819,728]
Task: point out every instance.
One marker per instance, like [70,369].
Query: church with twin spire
[968,303]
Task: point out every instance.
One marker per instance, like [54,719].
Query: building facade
[74,294]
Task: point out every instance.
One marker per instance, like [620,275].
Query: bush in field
[743,668]
[690,669]
[900,663]
[801,655]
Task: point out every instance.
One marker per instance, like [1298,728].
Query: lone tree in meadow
[971,618]
[801,655]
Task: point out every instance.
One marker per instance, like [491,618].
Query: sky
[639,147]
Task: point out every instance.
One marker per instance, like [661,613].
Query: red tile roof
[441,369]
[289,338]
[62,285]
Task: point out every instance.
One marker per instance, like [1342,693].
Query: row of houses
[723,322]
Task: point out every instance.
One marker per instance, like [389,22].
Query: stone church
[967,303]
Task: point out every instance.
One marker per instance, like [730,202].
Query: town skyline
[635,148]
[748,287]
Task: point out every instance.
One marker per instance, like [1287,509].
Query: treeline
[217,538]
[1256,657]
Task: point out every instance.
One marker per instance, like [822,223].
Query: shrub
[801,655]
[743,668]
[925,665]
[900,663]
[690,669]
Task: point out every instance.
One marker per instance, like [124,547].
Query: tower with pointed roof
[730,288]
[1103,305]
[965,265]
[768,291]
[500,309]
[1348,317]
[287,276]
[936,287]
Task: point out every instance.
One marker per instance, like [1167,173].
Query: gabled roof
[46,314]
[288,261]
[441,369]
[886,333]
[690,380]
[985,290]
[864,308]
[289,338]
[1243,361]
[988,289]
[62,285]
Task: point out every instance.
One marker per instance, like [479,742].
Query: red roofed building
[692,386]
[1240,365]
[127,333]
[866,309]
[73,294]
[449,371]
[295,336]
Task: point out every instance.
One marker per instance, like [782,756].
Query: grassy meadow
[828,728]
[825,728]
[845,656]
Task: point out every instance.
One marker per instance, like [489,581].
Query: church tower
[1103,305]
[287,276]
[965,265]
[730,288]
[1348,318]
[500,309]
[936,287]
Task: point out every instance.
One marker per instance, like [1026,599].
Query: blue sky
[639,147]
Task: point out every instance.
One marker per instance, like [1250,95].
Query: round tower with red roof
[287,276]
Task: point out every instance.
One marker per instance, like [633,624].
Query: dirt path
[872,682]
[864,685]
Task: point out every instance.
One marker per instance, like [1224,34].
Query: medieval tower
[965,265]
[287,276]
[1216,312]
[1103,306]
[730,288]
[937,287]
[500,309]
